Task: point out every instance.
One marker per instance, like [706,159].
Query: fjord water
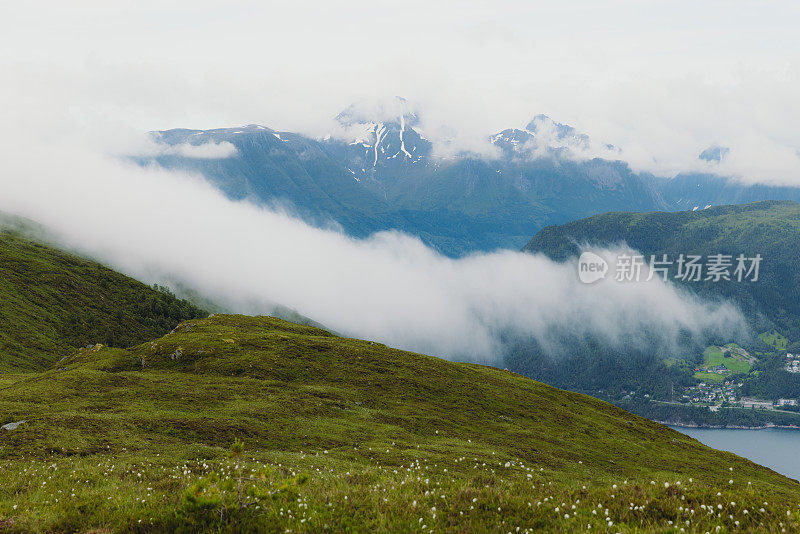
[776,448]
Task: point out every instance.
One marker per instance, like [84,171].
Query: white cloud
[209,150]
[660,80]
[157,225]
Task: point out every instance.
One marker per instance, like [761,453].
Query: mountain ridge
[380,173]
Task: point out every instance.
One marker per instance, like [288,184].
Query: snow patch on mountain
[544,137]
[382,132]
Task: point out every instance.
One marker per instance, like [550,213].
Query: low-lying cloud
[157,225]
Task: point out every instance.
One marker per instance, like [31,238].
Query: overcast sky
[81,82]
[661,79]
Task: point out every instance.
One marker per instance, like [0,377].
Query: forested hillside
[52,302]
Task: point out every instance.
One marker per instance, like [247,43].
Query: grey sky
[661,79]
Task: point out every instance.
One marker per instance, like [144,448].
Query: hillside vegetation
[768,228]
[52,302]
[727,357]
[346,435]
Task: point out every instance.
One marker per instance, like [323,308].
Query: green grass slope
[769,228]
[137,440]
[52,302]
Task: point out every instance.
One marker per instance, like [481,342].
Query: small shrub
[215,498]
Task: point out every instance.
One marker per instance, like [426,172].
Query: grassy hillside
[769,228]
[774,339]
[346,435]
[727,357]
[52,302]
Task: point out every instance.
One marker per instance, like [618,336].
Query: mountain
[52,302]
[714,153]
[345,435]
[662,382]
[379,172]
[381,149]
[543,135]
[768,228]
[688,191]
[694,191]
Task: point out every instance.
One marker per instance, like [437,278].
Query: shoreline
[728,427]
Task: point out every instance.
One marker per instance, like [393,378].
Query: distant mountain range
[381,173]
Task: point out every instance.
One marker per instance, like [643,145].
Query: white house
[750,402]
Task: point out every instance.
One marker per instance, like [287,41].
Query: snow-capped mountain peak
[714,154]
[383,131]
[385,111]
[555,134]
[543,136]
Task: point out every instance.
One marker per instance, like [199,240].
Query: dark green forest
[52,302]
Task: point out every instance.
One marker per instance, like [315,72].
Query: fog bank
[157,225]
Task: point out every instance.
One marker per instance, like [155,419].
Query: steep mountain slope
[391,440]
[768,228]
[281,167]
[52,302]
